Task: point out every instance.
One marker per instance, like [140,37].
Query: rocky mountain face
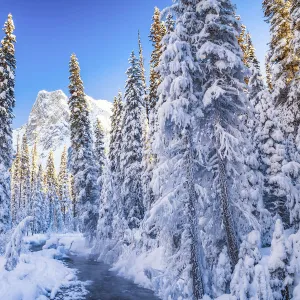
[48,122]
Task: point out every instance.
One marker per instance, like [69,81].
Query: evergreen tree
[99,146]
[272,154]
[63,190]
[294,92]
[171,223]
[157,33]
[7,103]
[142,67]
[222,274]
[51,195]
[16,184]
[131,152]
[256,173]
[73,200]
[24,178]
[170,23]
[38,205]
[116,133]
[33,176]
[283,62]
[244,273]
[55,222]
[277,264]
[84,168]
[220,139]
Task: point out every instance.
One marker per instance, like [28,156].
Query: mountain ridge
[48,122]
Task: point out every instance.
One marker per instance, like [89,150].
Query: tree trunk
[231,239]
[196,274]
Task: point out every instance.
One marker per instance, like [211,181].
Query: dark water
[105,284]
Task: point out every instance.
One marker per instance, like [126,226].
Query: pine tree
[172,221]
[116,133]
[256,173]
[242,40]
[170,23]
[33,176]
[73,200]
[99,146]
[269,76]
[142,64]
[51,184]
[7,103]
[272,153]
[131,152]
[24,178]
[63,190]
[16,184]
[223,101]
[278,262]
[38,205]
[84,168]
[222,274]
[242,282]
[294,92]
[283,62]
[157,33]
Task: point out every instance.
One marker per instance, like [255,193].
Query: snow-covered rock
[49,122]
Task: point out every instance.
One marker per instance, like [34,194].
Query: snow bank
[71,242]
[39,275]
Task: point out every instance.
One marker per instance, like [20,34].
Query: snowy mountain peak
[48,122]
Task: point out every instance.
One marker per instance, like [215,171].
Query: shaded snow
[39,275]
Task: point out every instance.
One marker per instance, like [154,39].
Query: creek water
[103,284]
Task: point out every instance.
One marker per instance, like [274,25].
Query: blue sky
[101,33]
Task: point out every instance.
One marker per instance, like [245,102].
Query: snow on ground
[39,275]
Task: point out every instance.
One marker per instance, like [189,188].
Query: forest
[197,193]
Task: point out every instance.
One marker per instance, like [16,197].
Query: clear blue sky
[101,33]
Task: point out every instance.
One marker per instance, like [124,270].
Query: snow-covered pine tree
[99,146]
[220,137]
[63,190]
[171,223]
[73,200]
[272,153]
[295,15]
[84,168]
[33,176]
[116,133]
[24,178]
[55,214]
[248,282]
[143,75]
[169,23]
[38,203]
[132,146]
[268,75]
[282,61]
[15,185]
[254,187]
[13,249]
[157,33]
[221,275]
[278,263]
[294,92]
[7,103]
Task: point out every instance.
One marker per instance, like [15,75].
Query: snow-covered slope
[49,122]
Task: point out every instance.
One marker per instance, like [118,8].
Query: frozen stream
[104,284]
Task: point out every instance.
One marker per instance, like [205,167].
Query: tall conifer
[7,103]
[131,152]
[84,168]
